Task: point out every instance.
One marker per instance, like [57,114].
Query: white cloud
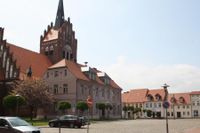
[180,77]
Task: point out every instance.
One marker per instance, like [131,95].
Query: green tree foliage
[108,106]
[101,106]
[11,101]
[125,108]
[63,106]
[82,106]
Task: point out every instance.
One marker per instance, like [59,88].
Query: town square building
[57,64]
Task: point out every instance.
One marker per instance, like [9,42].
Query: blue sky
[139,43]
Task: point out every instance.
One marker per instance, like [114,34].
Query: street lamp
[166,105]
[17,95]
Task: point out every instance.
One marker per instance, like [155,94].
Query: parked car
[16,125]
[84,120]
[71,121]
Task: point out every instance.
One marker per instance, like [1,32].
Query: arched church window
[63,54]
[67,55]
[11,71]
[51,50]
[7,67]
[46,50]
[4,59]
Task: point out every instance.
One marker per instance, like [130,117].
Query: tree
[125,109]
[35,93]
[64,106]
[102,107]
[82,106]
[12,102]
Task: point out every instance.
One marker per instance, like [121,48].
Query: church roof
[51,35]
[26,58]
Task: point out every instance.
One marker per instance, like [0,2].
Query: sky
[138,43]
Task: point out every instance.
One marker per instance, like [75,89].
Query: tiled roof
[26,58]
[114,85]
[154,92]
[177,96]
[135,96]
[72,66]
[51,35]
[195,93]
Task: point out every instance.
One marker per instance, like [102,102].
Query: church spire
[60,17]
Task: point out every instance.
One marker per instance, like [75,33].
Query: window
[188,106]
[183,113]
[172,114]
[63,54]
[159,104]
[56,74]
[7,68]
[178,107]
[188,113]
[47,74]
[147,105]
[55,89]
[197,103]
[65,72]
[155,105]
[11,71]
[103,92]
[168,113]
[183,106]
[97,92]
[4,59]
[193,103]
[82,90]
[65,88]
[150,105]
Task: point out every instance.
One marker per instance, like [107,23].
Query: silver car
[16,125]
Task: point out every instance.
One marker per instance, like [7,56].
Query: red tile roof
[26,58]
[72,66]
[135,96]
[195,92]
[177,96]
[154,92]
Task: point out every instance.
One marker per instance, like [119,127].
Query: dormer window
[181,100]
[173,100]
[158,97]
[150,98]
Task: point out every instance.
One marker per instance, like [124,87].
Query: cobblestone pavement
[135,126]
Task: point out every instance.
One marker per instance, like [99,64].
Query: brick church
[57,65]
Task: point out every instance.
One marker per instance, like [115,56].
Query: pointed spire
[60,17]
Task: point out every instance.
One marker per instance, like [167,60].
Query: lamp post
[166,105]
[17,95]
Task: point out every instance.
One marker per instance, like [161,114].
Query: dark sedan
[71,121]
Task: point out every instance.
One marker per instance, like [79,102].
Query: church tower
[58,41]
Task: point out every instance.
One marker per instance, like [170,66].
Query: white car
[16,125]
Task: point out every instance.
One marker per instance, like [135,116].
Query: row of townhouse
[150,104]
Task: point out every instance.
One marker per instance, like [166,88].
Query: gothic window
[51,50]
[97,92]
[65,88]
[7,67]
[4,59]
[46,50]
[67,55]
[63,54]
[11,71]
